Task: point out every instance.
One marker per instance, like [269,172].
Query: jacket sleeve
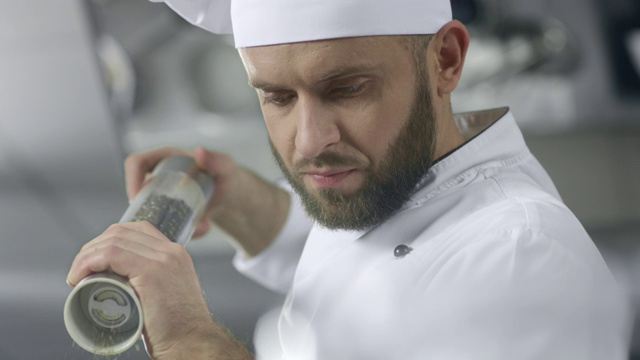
[275,267]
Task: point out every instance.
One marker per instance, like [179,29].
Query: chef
[403,231]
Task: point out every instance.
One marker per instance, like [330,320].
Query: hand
[176,316]
[244,205]
[219,166]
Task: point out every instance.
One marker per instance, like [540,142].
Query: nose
[316,129]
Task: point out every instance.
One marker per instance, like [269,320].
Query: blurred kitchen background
[84,83]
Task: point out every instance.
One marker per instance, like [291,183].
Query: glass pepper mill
[102,313]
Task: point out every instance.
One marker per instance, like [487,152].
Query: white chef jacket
[498,268]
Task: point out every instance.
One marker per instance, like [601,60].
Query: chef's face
[350,123]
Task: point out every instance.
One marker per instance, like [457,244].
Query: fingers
[125,249]
[138,165]
[220,167]
[160,272]
[201,228]
[213,163]
[224,171]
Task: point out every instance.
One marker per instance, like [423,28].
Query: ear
[451,44]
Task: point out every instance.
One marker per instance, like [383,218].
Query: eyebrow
[264,86]
[330,76]
[345,72]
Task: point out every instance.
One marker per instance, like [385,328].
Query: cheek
[281,135]
[376,127]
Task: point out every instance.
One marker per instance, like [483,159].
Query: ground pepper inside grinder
[173,198]
[102,314]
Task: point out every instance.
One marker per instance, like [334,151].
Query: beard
[386,188]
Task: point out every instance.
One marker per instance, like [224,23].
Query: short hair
[417,44]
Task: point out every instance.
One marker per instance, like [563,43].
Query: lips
[328,178]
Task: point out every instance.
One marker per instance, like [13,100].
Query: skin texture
[178,324]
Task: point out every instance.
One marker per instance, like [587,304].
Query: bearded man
[403,232]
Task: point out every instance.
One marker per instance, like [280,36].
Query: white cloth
[260,22]
[499,269]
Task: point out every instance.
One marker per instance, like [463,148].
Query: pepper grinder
[102,313]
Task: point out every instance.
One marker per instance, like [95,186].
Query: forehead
[322,58]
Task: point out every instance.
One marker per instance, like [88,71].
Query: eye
[277,99]
[348,91]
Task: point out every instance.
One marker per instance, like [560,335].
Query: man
[434,236]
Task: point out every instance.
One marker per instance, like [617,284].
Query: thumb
[205,160]
[218,165]
[201,228]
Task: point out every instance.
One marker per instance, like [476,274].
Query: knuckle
[111,251]
[174,250]
[85,246]
[80,260]
[115,230]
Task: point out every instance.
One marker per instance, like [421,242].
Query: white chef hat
[268,22]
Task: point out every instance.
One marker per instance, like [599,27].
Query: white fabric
[260,22]
[499,269]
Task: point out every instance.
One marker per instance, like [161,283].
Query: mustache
[324,159]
